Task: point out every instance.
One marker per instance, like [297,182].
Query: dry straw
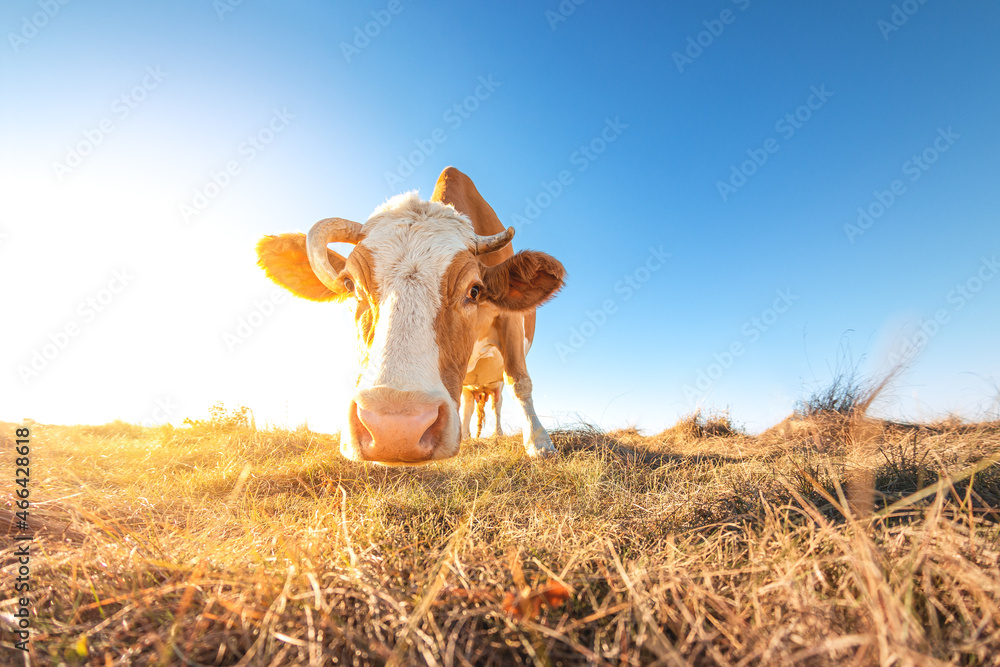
[843,541]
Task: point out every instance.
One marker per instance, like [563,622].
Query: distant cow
[438,294]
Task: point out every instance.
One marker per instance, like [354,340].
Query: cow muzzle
[400,428]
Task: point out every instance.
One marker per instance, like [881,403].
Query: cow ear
[524,281]
[285,261]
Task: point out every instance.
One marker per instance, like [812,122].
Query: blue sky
[146,146]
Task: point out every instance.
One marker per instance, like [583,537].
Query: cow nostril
[358,429]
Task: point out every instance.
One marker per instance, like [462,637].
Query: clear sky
[739,192]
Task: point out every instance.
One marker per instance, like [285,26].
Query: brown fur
[525,281]
[455,188]
[455,329]
[521,283]
[481,397]
[529,325]
[511,339]
[535,277]
[360,268]
[284,260]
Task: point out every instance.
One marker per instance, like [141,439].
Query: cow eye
[349,285]
[474,292]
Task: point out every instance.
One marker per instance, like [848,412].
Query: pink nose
[402,438]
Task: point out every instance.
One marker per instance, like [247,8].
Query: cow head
[421,298]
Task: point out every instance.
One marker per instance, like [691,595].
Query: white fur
[536,438]
[412,244]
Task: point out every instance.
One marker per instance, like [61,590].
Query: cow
[437,293]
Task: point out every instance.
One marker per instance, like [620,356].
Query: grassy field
[220,544]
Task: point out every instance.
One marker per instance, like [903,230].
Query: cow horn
[329,230]
[485,244]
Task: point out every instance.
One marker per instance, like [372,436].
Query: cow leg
[468,402]
[515,372]
[497,399]
[536,439]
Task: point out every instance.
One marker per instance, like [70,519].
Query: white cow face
[421,300]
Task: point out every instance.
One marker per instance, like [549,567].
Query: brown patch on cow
[360,268]
[529,326]
[510,330]
[521,283]
[525,281]
[365,318]
[458,324]
[285,261]
[513,282]
[457,190]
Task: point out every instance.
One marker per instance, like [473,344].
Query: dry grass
[697,426]
[698,546]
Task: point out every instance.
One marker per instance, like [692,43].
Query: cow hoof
[541,452]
